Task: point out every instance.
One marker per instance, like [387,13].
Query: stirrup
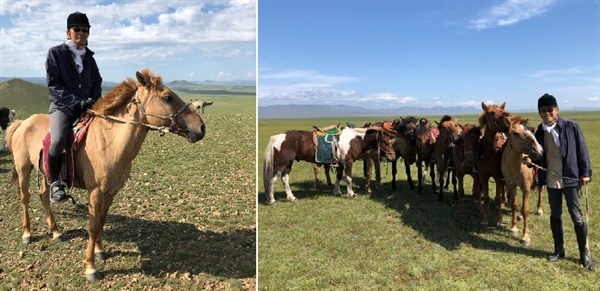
[58,191]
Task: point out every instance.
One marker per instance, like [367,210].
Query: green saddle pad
[324,152]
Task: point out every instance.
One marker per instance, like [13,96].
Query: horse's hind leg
[23,174]
[45,197]
[285,179]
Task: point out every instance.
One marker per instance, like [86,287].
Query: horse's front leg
[99,252]
[95,228]
[377,166]
[316,170]
[420,177]
[408,175]
[394,172]
[526,240]
[367,166]
[338,178]
[348,172]
[500,198]
[540,210]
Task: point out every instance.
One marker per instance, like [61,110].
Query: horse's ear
[483,106]
[141,79]
[503,105]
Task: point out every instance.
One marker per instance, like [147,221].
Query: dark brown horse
[103,163]
[495,119]
[299,145]
[449,132]
[464,154]
[405,146]
[520,143]
[6,117]
[425,141]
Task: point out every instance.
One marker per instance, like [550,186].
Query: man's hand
[584,180]
[86,104]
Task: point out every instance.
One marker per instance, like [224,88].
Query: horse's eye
[167,97]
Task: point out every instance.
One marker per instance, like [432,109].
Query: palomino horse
[520,142]
[405,147]
[299,145]
[424,144]
[449,132]
[464,155]
[495,119]
[6,117]
[103,163]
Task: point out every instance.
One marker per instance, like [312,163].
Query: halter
[174,128]
[379,148]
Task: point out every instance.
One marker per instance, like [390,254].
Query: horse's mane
[405,121]
[444,119]
[421,128]
[123,93]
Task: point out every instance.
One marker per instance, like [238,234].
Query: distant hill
[310,111]
[24,97]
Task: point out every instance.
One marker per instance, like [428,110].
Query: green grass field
[186,219]
[398,240]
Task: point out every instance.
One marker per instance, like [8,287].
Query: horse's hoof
[26,240]
[526,243]
[94,277]
[58,238]
[270,202]
[540,212]
[101,256]
[520,218]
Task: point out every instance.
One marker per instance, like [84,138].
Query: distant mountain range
[40,80]
[310,111]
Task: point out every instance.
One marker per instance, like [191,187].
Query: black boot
[557,235]
[57,186]
[584,255]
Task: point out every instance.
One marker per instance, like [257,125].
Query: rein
[136,101]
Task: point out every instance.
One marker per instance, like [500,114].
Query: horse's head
[385,140]
[521,138]
[6,117]
[424,139]
[200,104]
[450,129]
[494,117]
[162,107]
[470,137]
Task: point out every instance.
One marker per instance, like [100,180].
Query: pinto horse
[520,143]
[449,132]
[405,147]
[464,155]
[425,141]
[284,148]
[495,119]
[103,162]
[6,117]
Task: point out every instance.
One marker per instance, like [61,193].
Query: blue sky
[193,40]
[388,54]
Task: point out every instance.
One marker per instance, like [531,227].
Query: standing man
[568,165]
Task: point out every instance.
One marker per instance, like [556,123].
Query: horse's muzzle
[193,136]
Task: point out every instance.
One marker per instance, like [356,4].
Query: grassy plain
[186,219]
[398,240]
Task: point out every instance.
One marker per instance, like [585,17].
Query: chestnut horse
[299,145]
[495,119]
[520,142]
[425,142]
[449,132]
[405,147]
[103,163]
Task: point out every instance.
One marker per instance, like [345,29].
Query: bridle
[173,127]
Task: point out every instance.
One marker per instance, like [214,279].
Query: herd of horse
[493,148]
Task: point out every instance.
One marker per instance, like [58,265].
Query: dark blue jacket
[573,149]
[66,86]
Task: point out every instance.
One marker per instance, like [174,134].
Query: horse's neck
[369,141]
[511,153]
[122,140]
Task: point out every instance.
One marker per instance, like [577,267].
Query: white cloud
[557,72]
[180,35]
[510,12]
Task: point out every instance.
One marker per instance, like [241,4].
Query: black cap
[77,19]
[547,100]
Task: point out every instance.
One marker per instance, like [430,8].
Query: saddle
[75,139]
[325,143]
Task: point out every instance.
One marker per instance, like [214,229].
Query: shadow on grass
[306,189]
[443,224]
[166,247]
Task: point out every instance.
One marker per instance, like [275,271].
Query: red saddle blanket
[74,141]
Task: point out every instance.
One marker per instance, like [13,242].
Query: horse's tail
[268,164]
[10,131]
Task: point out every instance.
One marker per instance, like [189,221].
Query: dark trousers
[60,126]
[573,199]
